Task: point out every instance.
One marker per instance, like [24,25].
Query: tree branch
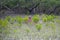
[32,7]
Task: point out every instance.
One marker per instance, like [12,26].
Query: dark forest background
[31,6]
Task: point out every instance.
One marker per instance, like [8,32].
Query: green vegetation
[4,23]
[35,18]
[38,26]
[47,5]
[58,21]
[25,19]
[19,19]
[44,19]
[8,18]
[27,30]
[3,26]
[52,25]
[48,18]
[13,20]
[15,31]
[47,24]
[6,31]
[1,21]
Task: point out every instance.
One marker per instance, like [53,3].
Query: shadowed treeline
[31,6]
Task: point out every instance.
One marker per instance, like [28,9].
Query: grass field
[30,27]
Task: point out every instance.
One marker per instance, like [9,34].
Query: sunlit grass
[52,25]
[48,24]
[58,21]
[27,30]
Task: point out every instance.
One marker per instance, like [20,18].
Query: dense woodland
[31,6]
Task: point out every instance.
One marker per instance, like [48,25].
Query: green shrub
[3,26]
[1,22]
[35,18]
[4,23]
[8,18]
[13,19]
[51,17]
[44,19]
[48,18]
[19,19]
[38,26]
[0,29]
[25,19]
